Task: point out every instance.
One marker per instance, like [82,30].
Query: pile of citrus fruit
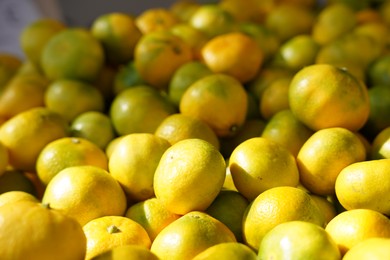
[232,130]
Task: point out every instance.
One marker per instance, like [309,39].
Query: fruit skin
[298,240]
[189,235]
[42,233]
[323,95]
[371,248]
[362,184]
[191,168]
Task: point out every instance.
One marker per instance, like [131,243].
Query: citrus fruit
[378,71]
[177,127]
[21,93]
[212,98]
[380,145]
[126,252]
[212,20]
[139,110]
[229,207]
[183,77]
[326,206]
[275,206]
[227,250]
[155,19]
[323,95]
[371,248]
[288,20]
[55,235]
[190,168]
[351,227]
[134,168]
[152,215]
[284,128]
[15,196]
[251,128]
[84,193]
[189,235]
[337,145]
[118,34]
[70,98]
[4,158]
[235,54]
[242,13]
[253,174]
[28,132]
[73,53]
[9,66]
[66,152]
[94,126]
[360,184]
[274,97]
[126,76]
[158,54]
[108,232]
[332,22]
[298,240]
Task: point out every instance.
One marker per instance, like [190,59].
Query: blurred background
[15,14]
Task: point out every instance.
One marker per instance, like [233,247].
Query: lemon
[228,250]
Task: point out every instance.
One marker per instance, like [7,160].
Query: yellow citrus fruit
[21,93]
[192,36]
[212,20]
[235,54]
[251,128]
[158,55]
[177,127]
[248,12]
[183,77]
[183,9]
[298,52]
[298,240]
[326,206]
[55,235]
[189,235]
[378,118]
[361,184]
[227,250]
[66,152]
[323,95]
[351,227]
[332,22]
[118,34]
[337,145]
[211,99]
[108,232]
[275,206]
[380,148]
[284,128]
[94,126]
[36,34]
[371,248]
[275,97]
[126,252]
[16,180]
[111,145]
[73,53]
[253,174]
[134,168]
[85,192]
[184,172]
[15,196]
[228,183]
[289,20]
[152,215]
[28,132]
[139,109]
[229,207]
[377,31]
[9,66]
[156,19]
[266,39]
[71,98]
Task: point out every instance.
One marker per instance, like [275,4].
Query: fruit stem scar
[113,229]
